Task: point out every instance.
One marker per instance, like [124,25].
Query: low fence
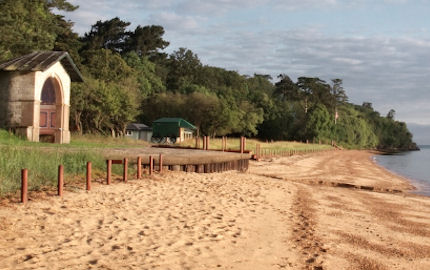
[150,165]
[269,152]
[205,145]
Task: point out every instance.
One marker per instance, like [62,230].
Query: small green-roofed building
[172,129]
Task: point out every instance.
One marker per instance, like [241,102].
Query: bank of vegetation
[129,78]
[42,160]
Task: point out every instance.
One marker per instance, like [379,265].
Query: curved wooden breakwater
[240,164]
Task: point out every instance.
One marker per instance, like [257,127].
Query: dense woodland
[129,78]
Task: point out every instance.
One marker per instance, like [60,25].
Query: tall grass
[100,141]
[42,159]
[78,141]
[42,166]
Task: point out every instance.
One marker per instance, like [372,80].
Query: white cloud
[175,22]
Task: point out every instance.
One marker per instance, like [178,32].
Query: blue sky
[380,48]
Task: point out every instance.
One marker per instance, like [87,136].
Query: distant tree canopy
[26,26]
[129,78]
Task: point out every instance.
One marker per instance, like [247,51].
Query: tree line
[129,78]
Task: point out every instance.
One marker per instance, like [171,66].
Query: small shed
[173,129]
[139,132]
[35,95]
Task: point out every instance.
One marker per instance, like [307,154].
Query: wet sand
[283,213]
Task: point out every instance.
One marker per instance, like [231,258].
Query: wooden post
[139,167]
[259,151]
[108,171]
[24,185]
[151,165]
[160,163]
[241,145]
[207,142]
[204,142]
[89,175]
[125,171]
[60,180]
[197,142]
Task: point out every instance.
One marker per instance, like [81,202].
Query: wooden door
[47,119]
[48,109]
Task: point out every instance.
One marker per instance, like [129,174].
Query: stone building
[35,95]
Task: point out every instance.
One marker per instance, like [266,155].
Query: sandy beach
[329,210]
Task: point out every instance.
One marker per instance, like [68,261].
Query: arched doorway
[50,111]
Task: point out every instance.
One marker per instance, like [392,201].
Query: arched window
[48,92]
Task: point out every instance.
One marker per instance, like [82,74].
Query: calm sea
[414,165]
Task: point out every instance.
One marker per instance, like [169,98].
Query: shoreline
[406,179]
[275,216]
[420,187]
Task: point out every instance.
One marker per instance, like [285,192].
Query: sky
[380,48]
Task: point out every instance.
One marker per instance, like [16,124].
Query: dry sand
[283,214]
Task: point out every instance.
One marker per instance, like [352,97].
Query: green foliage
[146,41]
[319,124]
[149,82]
[26,26]
[391,134]
[108,34]
[105,107]
[286,89]
[183,67]
[352,129]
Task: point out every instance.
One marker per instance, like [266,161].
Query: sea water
[414,165]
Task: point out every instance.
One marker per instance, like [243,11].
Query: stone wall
[17,102]
[4,98]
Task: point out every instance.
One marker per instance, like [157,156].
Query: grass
[99,141]
[234,144]
[42,159]
[42,166]
[77,142]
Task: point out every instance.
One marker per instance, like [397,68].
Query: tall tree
[184,66]
[110,34]
[286,89]
[338,96]
[26,26]
[67,40]
[314,91]
[109,98]
[146,41]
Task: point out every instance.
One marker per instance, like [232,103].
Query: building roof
[137,126]
[179,121]
[41,61]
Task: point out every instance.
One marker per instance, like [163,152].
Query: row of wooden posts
[267,152]
[241,164]
[206,143]
[60,185]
